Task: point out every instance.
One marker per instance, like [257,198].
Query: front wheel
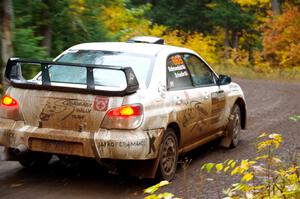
[233,129]
[168,156]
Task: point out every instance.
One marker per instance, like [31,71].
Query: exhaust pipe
[20,149]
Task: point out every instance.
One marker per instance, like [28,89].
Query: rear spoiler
[13,74]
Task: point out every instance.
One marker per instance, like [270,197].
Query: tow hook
[20,149]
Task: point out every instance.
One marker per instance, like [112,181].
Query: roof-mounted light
[147,40]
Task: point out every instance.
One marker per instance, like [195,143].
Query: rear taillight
[8,101]
[124,117]
[126,111]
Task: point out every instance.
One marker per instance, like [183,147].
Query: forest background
[243,38]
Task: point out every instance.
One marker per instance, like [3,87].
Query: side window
[178,75]
[201,74]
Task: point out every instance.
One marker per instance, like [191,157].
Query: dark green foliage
[79,28]
[27,45]
[65,27]
[226,14]
[184,14]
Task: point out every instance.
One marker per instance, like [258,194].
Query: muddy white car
[141,103]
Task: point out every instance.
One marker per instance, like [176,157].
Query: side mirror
[224,79]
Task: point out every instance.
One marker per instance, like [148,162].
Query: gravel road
[270,104]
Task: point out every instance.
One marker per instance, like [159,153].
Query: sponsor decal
[177,67]
[61,109]
[181,74]
[123,144]
[177,60]
[151,143]
[101,103]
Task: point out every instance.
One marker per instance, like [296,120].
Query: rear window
[141,65]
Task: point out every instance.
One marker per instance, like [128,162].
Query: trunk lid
[58,110]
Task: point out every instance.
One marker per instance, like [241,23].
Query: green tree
[229,16]
[56,25]
[188,15]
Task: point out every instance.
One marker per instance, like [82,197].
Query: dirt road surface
[270,104]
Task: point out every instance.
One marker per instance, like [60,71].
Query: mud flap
[141,168]
[226,141]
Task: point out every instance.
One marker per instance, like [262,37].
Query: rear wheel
[33,159]
[168,156]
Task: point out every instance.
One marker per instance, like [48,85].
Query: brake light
[8,101]
[126,111]
[124,117]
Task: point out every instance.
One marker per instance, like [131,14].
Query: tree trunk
[6,15]
[47,38]
[235,39]
[7,30]
[46,29]
[276,7]
[226,43]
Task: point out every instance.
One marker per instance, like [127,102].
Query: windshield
[140,64]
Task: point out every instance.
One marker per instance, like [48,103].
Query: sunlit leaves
[219,167]
[282,39]
[152,195]
[124,23]
[154,188]
[259,3]
[267,176]
[208,167]
[247,177]
[273,140]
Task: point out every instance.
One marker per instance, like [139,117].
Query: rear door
[213,100]
[190,104]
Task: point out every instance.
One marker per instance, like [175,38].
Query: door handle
[178,100]
[206,95]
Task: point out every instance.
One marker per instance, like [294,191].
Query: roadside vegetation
[242,38]
[270,174]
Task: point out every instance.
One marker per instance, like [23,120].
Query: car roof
[140,48]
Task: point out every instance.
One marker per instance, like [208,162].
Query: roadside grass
[283,75]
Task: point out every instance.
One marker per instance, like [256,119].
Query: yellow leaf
[247,177]
[166,195]
[154,188]
[234,171]
[262,135]
[219,167]
[261,157]
[230,161]
[233,164]
[208,167]
[226,169]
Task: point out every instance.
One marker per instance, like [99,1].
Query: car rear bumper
[103,144]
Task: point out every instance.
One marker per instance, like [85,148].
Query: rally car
[141,102]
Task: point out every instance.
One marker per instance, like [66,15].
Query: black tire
[34,159]
[234,126]
[168,156]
